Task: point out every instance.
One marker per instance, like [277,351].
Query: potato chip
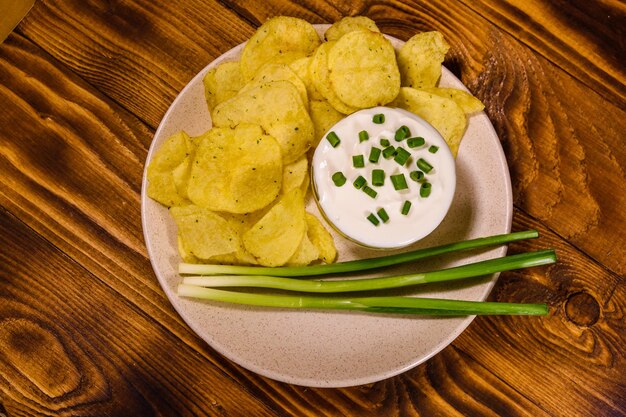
[320,237]
[195,224]
[277,72]
[161,187]
[301,68]
[420,59]
[276,237]
[306,253]
[280,39]
[241,223]
[318,69]
[180,175]
[441,112]
[324,116]
[236,170]
[295,174]
[186,257]
[278,108]
[363,69]
[161,181]
[349,24]
[468,103]
[221,83]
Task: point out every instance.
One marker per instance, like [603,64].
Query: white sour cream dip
[347,208]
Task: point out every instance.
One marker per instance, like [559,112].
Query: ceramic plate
[337,349]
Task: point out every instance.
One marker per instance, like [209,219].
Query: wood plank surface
[578,347]
[85,328]
[65,353]
[139,53]
[578,36]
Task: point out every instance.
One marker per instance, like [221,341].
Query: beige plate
[337,349]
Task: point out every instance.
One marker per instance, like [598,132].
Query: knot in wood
[582,309]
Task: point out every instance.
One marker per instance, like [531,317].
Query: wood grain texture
[139,53]
[71,164]
[71,346]
[578,36]
[578,347]
[80,229]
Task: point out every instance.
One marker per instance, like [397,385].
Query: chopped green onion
[417,176]
[379,119]
[388,152]
[425,189]
[402,155]
[382,213]
[378,177]
[402,133]
[363,136]
[360,264]
[358,161]
[367,190]
[406,207]
[374,155]
[415,142]
[373,219]
[385,305]
[384,142]
[339,179]
[433,149]
[333,139]
[472,270]
[399,182]
[424,166]
[359,182]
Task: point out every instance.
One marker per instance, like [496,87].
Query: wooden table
[85,328]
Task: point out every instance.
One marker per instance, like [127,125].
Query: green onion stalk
[356,265]
[390,305]
[506,263]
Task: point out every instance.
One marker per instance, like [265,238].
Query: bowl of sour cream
[383,177]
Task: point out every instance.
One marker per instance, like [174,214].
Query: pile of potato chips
[237,192]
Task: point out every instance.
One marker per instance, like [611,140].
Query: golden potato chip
[320,237]
[277,72]
[161,180]
[363,69]
[241,223]
[276,237]
[180,175]
[278,108]
[468,103]
[186,257]
[441,112]
[318,69]
[324,116]
[161,188]
[420,59]
[195,224]
[295,174]
[306,253]
[349,24]
[235,170]
[182,172]
[280,36]
[301,68]
[221,83]
[171,153]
